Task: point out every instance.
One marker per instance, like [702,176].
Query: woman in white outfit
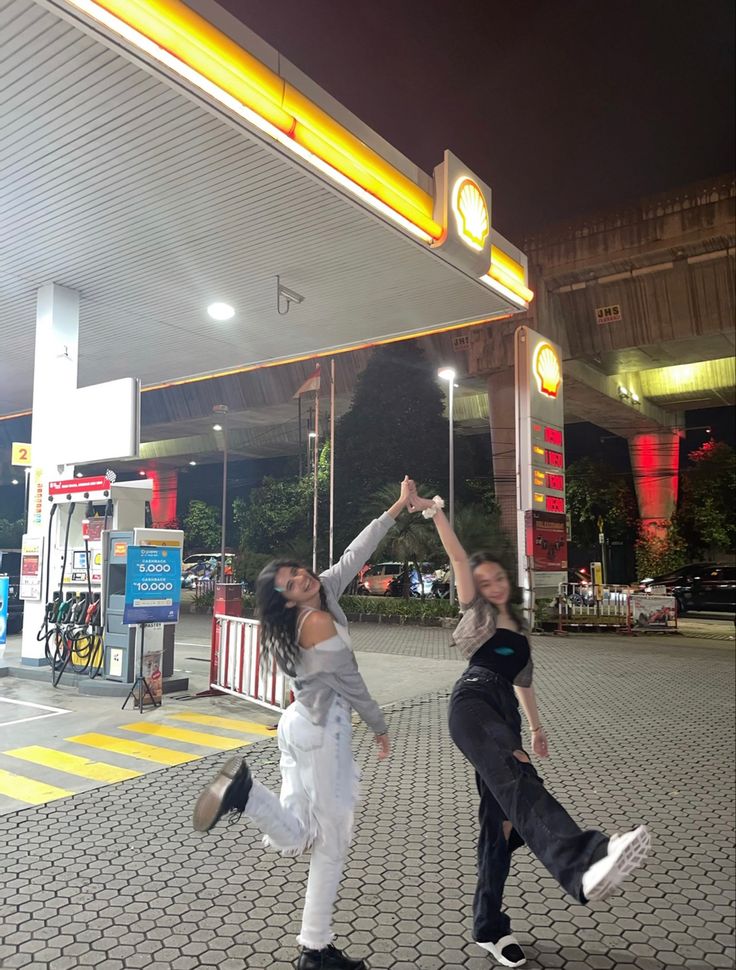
[305,630]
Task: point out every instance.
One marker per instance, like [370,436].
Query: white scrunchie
[437,504]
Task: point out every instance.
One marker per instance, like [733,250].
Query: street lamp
[448,374]
[222,410]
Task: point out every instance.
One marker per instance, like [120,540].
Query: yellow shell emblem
[471,213]
[547,370]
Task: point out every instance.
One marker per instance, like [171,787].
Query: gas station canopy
[158,158]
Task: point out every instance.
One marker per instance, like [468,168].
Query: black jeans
[486,726]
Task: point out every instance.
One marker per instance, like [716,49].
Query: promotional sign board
[546,541]
[653,612]
[540,452]
[31,559]
[152,585]
[80,486]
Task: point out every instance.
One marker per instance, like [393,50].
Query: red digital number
[554,504]
[553,458]
[552,436]
[556,482]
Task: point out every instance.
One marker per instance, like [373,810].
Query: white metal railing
[236,665]
[590,600]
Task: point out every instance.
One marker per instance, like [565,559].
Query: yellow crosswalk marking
[27,790]
[72,764]
[182,734]
[134,749]
[226,723]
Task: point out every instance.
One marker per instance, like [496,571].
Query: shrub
[415,609]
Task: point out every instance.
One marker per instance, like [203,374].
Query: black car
[10,566]
[699,586]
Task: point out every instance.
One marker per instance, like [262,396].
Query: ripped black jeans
[486,726]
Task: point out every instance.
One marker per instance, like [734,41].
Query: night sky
[562,107]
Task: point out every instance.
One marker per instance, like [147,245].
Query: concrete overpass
[641,299]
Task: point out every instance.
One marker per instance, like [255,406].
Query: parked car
[10,566]
[699,586]
[204,565]
[377,579]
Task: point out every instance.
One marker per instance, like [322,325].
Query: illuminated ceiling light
[192,463]
[623,392]
[79,475]
[446,374]
[14,482]
[708,430]
[312,434]
[217,427]
[635,397]
[142,474]
[221,311]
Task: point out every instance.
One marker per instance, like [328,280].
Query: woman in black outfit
[515,807]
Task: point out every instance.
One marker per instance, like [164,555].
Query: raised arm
[457,555]
[359,551]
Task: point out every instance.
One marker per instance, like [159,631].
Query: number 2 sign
[21,454]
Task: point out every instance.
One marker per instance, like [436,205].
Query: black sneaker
[506,951]
[227,792]
[330,958]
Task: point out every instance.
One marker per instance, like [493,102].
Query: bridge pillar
[654,462]
[502,418]
[163,502]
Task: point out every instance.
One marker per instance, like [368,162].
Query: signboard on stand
[152,598]
[540,452]
[152,585]
[653,612]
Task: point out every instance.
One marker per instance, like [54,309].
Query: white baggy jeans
[319,791]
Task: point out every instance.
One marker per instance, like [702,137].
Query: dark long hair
[515,597]
[279,621]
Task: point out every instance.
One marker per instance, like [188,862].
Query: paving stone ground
[115,879]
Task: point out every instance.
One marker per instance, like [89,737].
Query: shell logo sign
[471,213]
[547,370]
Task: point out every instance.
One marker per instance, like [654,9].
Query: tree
[595,489]
[276,518]
[657,554]
[11,533]
[411,541]
[706,515]
[202,527]
[395,426]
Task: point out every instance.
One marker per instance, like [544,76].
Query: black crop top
[508,654]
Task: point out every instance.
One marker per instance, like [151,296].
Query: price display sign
[541,449]
[152,585]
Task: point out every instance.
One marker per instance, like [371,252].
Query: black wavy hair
[278,621]
[515,598]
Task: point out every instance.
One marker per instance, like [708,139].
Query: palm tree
[412,541]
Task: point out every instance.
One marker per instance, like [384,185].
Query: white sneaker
[625,853]
[507,951]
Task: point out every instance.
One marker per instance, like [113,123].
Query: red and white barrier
[236,668]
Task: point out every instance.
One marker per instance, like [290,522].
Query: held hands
[407,487]
[540,745]
[383,743]
[415,502]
